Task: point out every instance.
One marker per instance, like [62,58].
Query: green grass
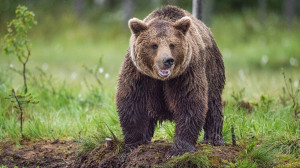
[199,159]
[70,108]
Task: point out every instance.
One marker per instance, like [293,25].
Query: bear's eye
[154,46]
[172,46]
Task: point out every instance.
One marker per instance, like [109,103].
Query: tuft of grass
[199,159]
[243,163]
[264,157]
[285,144]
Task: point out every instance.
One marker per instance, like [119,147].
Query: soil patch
[152,155]
[54,153]
[64,154]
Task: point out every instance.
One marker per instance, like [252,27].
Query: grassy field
[73,105]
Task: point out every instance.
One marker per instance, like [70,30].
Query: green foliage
[238,96]
[16,40]
[243,163]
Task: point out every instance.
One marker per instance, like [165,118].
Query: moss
[215,161]
[290,165]
[287,161]
[198,159]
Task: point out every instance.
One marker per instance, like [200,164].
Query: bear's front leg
[189,122]
[188,101]
[131,100]
[134,119]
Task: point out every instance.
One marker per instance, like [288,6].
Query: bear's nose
[168,61]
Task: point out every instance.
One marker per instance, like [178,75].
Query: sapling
[16,43]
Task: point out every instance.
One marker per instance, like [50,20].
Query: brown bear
[173,71]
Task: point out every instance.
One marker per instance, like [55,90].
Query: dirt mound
[152,155]
[64,154]
[44,154]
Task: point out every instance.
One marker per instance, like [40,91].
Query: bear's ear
[183,24]
[137,26]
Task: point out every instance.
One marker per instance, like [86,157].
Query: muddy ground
[65,154]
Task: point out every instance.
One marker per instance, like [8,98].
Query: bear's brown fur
[173,71]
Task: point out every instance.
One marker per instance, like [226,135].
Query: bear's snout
[168,61]
[164,65]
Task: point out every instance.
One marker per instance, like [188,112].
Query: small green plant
[238,96]
[16,40]
[16,43]
[292,93]
[265,102]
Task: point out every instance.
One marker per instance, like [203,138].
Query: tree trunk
[262,9]
[207,11]
[128,10]
[289,11]
[79,7]
[197,9]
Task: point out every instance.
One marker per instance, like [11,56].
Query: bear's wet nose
[168,61]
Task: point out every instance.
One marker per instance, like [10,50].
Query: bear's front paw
[178,152]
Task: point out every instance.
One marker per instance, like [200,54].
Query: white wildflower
[11,65]
[264,60]
[294,61]
[101,70]
[74,75]
[296,84]
[106,75]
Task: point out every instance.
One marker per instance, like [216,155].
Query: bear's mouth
[164,72]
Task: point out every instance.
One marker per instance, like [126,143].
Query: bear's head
[160,48]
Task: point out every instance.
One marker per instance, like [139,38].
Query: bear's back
[168,13]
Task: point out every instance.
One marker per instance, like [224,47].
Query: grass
[70,108]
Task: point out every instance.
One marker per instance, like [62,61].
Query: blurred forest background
[102,26]
[259,39]
[252,35]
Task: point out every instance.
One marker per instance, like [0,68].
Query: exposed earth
[57,153]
